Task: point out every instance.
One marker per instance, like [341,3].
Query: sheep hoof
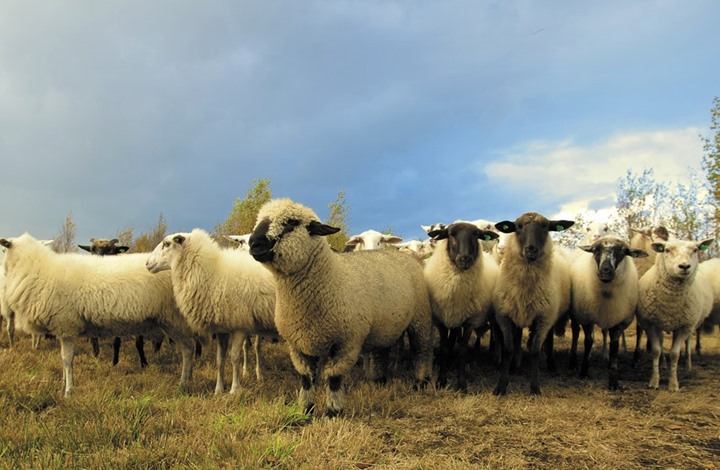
[309,409]
[535,390]
[331,414]
[615,386]
[500,390]
[381,381]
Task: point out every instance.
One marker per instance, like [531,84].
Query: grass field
[125,417]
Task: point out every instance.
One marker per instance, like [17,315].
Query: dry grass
[126,417]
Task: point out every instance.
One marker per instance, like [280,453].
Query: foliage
[243,215]
[711,161]
[640,199]
[147,242]
[64,242]
[338,218]
[125,236]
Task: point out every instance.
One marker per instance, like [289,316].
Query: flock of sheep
[334,309]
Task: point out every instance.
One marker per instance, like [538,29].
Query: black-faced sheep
[72,295]
[332,306]
[222,292]
[604,293]
[461,279]
[674,297]
[533,290]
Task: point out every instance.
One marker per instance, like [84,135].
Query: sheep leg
[36,341]
[507,329]
[420,335]
[575,329]
[245,343]
[258,357]
[186,350]
[688,354]
[615,333]
[540,333]
[496,345]
[116,351]
[341,359]
[11,327]
[447,343]
[605,353]
[654,335]
[238,343]
[463,352]
[306,367]
[517,349]
[95,342]
[140,346]
[548,346]
[381,358]
[698,347]
[638,340]
[67,354]
[222,345]
[588,332]
[680,337]
[624,341]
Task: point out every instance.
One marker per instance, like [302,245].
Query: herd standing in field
[330,309]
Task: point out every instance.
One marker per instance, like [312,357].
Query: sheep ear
[425,227]
[318,228]
[179,239]
[588,248]
[488,235]
[560,225]
[441,234]
[705,244]
[353,241]
[392,239]
[658,247]
[5,243]
[506,226]
[636,253]
[85,247]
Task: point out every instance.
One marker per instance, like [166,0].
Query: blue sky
[422,111]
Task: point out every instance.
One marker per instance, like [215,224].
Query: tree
[338,217]
[711,161]
[147,242]
[640,199]
[125,236]
[243,215]
[65,241]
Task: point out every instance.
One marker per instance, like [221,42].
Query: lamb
[533,290]
[331,307]
[604,293]
[221,292]
[461,278]
[72,295]
[371,240]
[105,247]
[710,270]
[674,297]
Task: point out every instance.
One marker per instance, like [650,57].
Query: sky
[115,112]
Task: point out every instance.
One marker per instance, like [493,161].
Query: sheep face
[679,259]
[280,238]
[596,230]
[532,233]
[462,242]
[371,240]
[609,252]
[104,247]
[162,257]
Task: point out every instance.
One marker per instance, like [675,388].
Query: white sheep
[710,270]
[222,292]
[371,240]
[642,239]
[461,279]
[241,241]
[532,290]
[332,306]
[674,297]
[71,295]
[604,293]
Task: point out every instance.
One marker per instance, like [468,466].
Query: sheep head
[532,233]
[285,233]
[104,247]
[462,238]
[609,251]
[679,259]
[372,240]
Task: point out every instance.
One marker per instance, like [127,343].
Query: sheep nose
[685,267]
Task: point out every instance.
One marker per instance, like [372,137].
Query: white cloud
[584,176]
